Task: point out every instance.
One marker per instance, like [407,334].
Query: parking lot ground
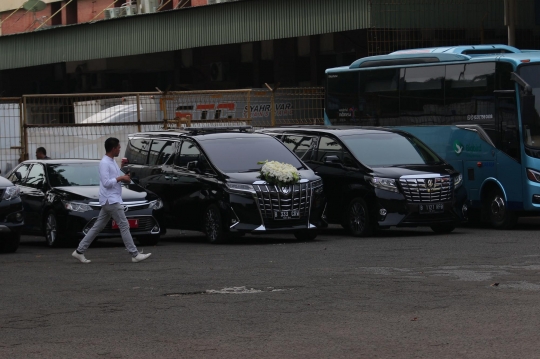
[406,293]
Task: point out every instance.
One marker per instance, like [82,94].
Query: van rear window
[137,150]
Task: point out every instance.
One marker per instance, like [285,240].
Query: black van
[377,178]
[208,179]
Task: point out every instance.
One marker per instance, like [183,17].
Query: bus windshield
[531,131]
[390,149]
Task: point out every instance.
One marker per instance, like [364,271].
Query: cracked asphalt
[406,293]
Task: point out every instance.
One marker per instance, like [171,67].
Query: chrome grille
[273,198]
[433,189]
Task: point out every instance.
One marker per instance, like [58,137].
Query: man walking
[110,199]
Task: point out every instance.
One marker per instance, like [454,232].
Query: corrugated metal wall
[236,22]
[403,24]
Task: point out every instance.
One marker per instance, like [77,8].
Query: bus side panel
[509,173]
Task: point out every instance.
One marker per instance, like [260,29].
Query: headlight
[533,175]
[240,187]
[317,183]
[387,184]
[11,192]
[77,207]
[157,204]
[458,181]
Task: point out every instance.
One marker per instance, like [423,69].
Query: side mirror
[39,185]
[18,175]
[332,160]
[192,166]
[528,110]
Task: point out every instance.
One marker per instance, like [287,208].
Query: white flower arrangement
[278,173]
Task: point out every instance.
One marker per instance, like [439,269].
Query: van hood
[250,177]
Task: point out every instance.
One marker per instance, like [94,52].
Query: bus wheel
[499,215]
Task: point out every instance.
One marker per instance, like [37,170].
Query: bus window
[341,97]
[422,95]
[378,97]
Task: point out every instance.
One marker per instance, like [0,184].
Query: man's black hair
[111,143]
[42,150]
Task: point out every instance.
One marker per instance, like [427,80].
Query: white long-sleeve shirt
[109,189]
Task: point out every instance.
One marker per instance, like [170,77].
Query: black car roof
[338,131]
[200,136]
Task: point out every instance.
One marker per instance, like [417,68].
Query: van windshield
[390,149]
[241,154]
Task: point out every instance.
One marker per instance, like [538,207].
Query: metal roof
[224,23]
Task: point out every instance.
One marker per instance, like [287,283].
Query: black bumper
[11,216]
[401,213]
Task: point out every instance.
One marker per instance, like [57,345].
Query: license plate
[133,223]
[432,208]
[280,215]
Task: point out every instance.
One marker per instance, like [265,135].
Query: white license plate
[432,208]
[281,215]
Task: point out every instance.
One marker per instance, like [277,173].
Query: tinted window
[137,150]
[23,170]
[422,95]
[300,145]
[242,154]
[36,176]
[188,153]
[389,149]
[76,174]
[160,151]
[378,99]
[329,146]
[341,96]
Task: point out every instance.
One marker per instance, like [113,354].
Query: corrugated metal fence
[76,125]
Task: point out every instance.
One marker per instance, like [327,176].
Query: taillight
[124,162]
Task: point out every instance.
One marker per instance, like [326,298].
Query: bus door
[509,168]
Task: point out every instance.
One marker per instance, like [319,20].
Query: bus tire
[497,209]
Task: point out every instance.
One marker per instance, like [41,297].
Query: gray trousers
[116,211]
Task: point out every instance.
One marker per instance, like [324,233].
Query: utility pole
[510,20]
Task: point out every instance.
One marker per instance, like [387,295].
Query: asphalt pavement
[406,293]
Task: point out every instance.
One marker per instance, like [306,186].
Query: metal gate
[11,134]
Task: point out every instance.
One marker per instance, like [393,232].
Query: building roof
[224,23]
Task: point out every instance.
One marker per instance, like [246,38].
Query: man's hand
[124,178]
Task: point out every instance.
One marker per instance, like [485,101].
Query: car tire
[497,209]
[148,241]
[306,235]
[443,227]
[357,218]
[213,225]
[51,230]
[10,242]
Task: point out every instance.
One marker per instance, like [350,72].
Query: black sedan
[11,216]
[61,201]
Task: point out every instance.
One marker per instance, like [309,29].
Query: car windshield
[73,174]
[389,149]
[241,154]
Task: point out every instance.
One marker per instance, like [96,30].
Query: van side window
[160,151]
[300,145]
[329,147]
[188,152]
[137,150]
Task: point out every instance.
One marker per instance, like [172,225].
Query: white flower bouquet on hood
[278,173]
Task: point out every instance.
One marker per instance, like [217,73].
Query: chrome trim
[303,180]
[311,226]
[260,228]
[127,204]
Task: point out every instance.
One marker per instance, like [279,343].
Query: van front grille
[432,189]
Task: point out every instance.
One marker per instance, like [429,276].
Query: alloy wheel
[498,208]
[358,217]
[50,229]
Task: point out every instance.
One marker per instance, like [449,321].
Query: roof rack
[218,129]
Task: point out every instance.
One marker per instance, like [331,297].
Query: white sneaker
[80,257]
[140,257]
